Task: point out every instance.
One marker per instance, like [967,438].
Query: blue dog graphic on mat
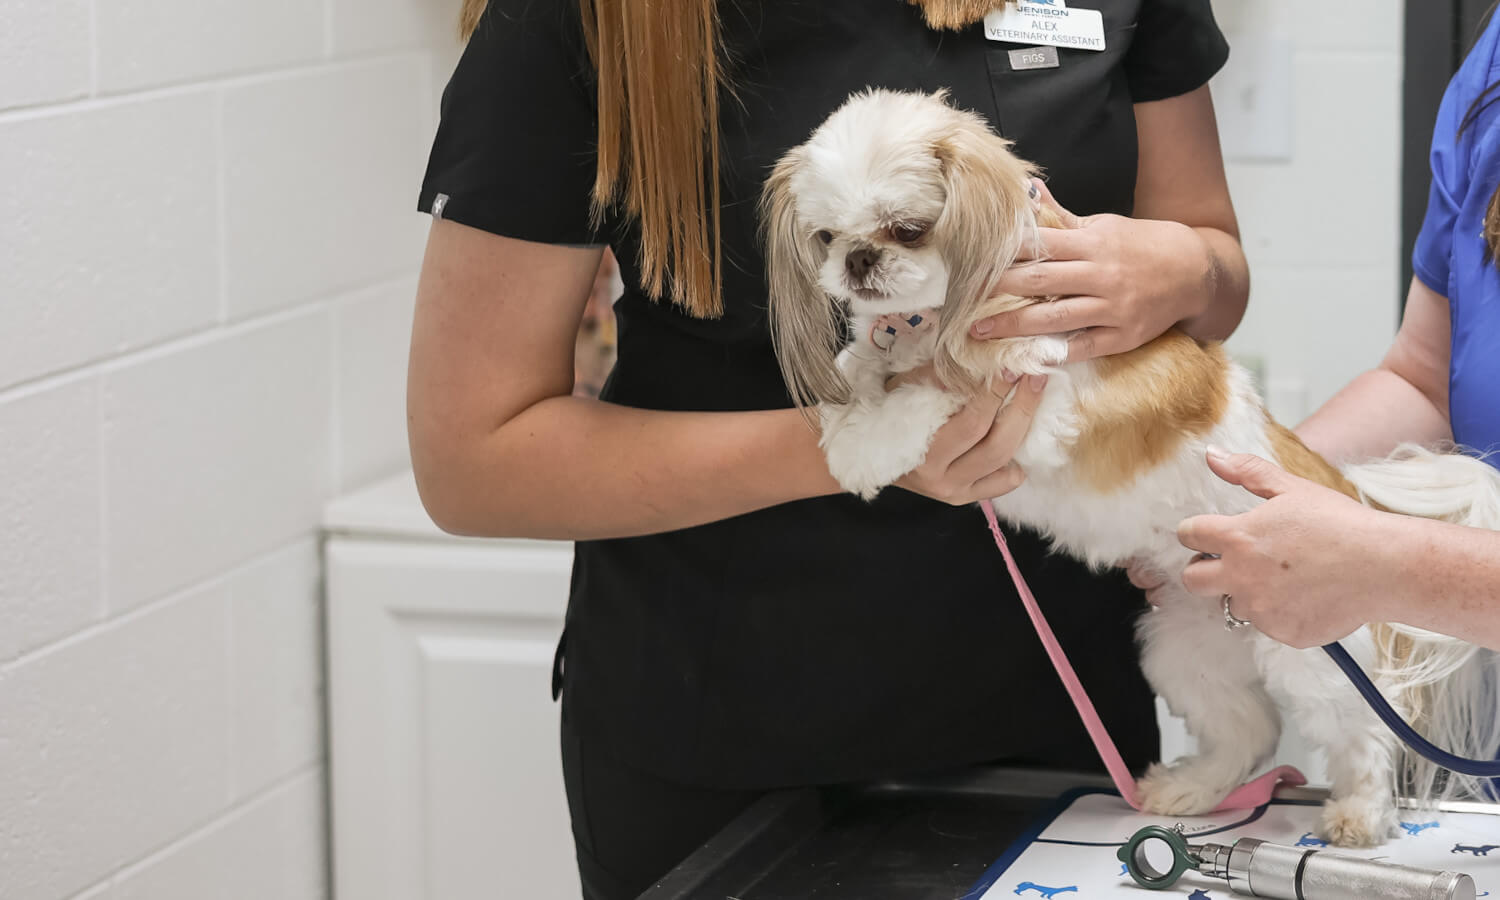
[1047,892]
[1414,829]
[1481,850]
[1307,840]
[1199,894]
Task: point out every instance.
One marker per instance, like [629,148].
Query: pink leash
[1247,796]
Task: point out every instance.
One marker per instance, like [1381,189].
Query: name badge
[1046,22]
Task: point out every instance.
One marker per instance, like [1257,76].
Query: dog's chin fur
[1114,456]
[924,287]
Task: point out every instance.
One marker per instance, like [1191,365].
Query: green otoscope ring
[1133,855]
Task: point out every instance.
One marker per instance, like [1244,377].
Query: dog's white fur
[888,158]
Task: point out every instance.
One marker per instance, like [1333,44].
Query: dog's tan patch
[1144,404]
[1294,456]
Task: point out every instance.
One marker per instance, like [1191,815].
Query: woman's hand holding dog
[1120,282]
[971,457]
[1306,567]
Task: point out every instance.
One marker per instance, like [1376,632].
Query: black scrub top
[829,639]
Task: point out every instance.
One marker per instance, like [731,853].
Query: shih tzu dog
[886,233]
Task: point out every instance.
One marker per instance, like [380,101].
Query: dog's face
[869,201]
[897,203]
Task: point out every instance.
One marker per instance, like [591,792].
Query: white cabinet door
[445,775]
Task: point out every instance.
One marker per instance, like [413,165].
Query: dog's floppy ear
[987,219]
[804,322]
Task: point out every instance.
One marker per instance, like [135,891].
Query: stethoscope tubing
[1484,768]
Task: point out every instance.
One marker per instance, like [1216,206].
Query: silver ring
[1232,621]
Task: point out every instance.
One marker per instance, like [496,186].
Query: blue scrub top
[1451,257]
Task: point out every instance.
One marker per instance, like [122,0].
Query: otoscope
[1260,869]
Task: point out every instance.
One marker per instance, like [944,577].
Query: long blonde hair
[659,78]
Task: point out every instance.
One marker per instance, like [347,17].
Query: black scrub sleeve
[1177,48]
[514,152]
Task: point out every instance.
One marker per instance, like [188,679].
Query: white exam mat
[1072,856]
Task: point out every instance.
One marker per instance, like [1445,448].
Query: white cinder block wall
[207,263]
[1321,226]
[206,272]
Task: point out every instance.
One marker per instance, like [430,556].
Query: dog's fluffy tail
[1449,688]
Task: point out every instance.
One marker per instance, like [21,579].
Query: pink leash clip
[1247,796]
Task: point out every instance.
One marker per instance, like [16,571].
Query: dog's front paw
[853,466]
[1358,821]
[1029,355]
[869,447]
[1052,350]
[1180,790]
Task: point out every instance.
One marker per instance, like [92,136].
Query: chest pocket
[1076,119]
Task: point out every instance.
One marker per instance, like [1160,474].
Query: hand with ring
[1307,567]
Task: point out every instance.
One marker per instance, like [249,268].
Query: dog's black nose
[860,262]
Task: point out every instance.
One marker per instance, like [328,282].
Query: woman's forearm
[501,448]
[1406,399]
[1180,178]
[1445,578]
[1370,416]
[1229,292]
[577,469]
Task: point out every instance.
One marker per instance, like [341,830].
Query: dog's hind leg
[1209,677]
[1361,751]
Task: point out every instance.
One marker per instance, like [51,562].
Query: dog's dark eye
[825,236]
[909,232]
